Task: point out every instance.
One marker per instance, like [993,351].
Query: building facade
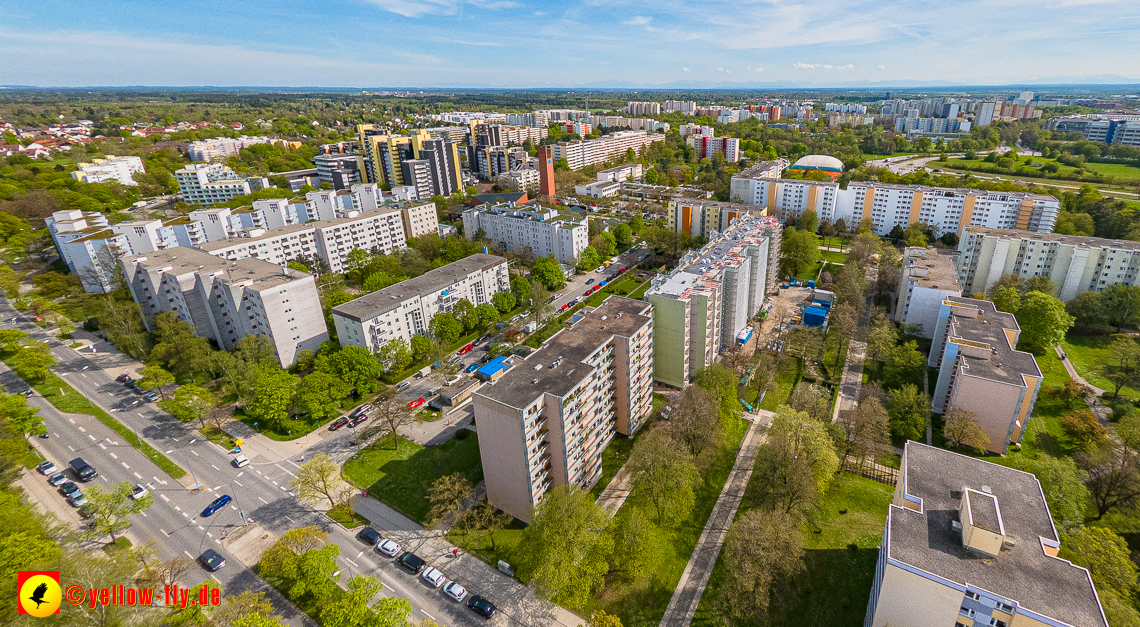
[210,183]
[227,300]
[546,421]
[928,277]
[91,246]
[220,148]
[514,226]
[580,154]
[120,169]
[971,543]
[405,309]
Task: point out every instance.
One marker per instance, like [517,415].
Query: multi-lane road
[173,523]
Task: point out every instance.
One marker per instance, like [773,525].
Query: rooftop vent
[987,489]
[956,526]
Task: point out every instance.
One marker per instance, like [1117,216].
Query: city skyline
[454,43]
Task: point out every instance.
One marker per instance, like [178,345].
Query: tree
[1083,427]
[812,400]
[844,319]
[154,378]
[161,573]
[391,413]
[1120,364]
[504,302]
[863,249]
[1121,305]
[763,550]
[464,312]
[1063,485]
[1070,391]
[905,364]
[868,430]
[915,234]
[189,403]
[22,418]
[421,346]
[356,365]
[623,235]
[564,550]
[663,474]
[491,520]
[800,251]
[548,272]
[448,495]
[272,395]
[319,479]
[110,509]
[605,243]
[795,465]
[909,409]
[352,610]
[1107,557]
[1043,321]
[446,328]
[1088,311]
[600,618]
[33,363]
[808,221]
[962,429]
[881,338]
[588,259]
[520,287]
[638,545]
[696,423]
[248,609]
[487,314]
[538,305]
[1007,299]
[320,394]
[722,383]
[1113,477]
[395,354]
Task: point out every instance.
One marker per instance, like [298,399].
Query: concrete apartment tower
[546,171]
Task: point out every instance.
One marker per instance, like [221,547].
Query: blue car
[473,367]
[589,281]
[216,504]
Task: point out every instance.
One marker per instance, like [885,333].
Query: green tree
[395,354]
[421,346]
[110,508]
[915,234]
[1043,321]
[488,315]
[272,395]
[447,496]
[800,251]
[1120,364]
[505,302]
[1083,427]
[1063,484]
[446,328]
[605,243]
[548,272]
[808,221]
[1120,305]
[319,480]
[764,552]
[638,546]
[636,223]
[21,417]
[189,403]
[905,365]
[795,465]
[1106,556]
[378,281]
[721,381]
[520,287]
[1088,311]
[356,365]
[623,235]
[155,378]
[909,409]
[1007,299]
[589,259]
[391,413]
[33,363]
[352,608]
[464,312]
[320,394]
[664,474]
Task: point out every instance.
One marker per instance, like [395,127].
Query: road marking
[83,374]
[140,414]
[188,554]
[185,515]
[137,475]
[177,509]
[164,532]
[69,446]
[92,437]
[274,483]
[201,528]
[279,466]
[143,513]
[82,430]
[157,480]
[214,467]
[102,446]
[217,541]
[263,500]
[71,420]
[233,508]
[290,519]
[238,483]
[208,533]
[428,615]
[125,465]
[105,479]
[55,434]
[283,489]
[113,456]
[195,453]
[257,471]
[165,498]
[352,562]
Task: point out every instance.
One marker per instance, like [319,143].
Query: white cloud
[638,20]
[754,69]
[882,68]
[416,8]
[685,69]
[805,66]
[720,69]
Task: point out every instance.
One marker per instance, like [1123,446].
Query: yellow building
[970,543]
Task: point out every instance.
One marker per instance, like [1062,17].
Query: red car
[124,378]
[622,271]
[565,307]
[416,403]
[466,349]
[338,423]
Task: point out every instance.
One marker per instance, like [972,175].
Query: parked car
[86,511]
[150,397]
[481,338]
[216,504]
[68,488]
[369,536]
[589,281]
[472,368]
[556,297]
[466,349]
[388,547]
[403,385]
[433,576]
[565,307]
[416,403]
[138,491]
[83,470]
[455,591]
[124,378]
[338,423]
[412,562]
[47,468]
[212,560]
[77,499]
[484,359]
[481,606]
[57,479]
[356,420]
[241,460]
[363,409]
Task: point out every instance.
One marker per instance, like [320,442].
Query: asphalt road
[260,490]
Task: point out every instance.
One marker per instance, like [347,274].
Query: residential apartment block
[91,246]
[580,154]
[228,300]
[631,172]
[385,155]
[405,309]
[928,277]
[120,169]
[547,420]
[981,371]
[888,205]
[1099,127]
[514,226]
[1074,262]
[971,543]
[701,306]
[210,183]
[707,145]
[221,147]
[643,108]
[340,170]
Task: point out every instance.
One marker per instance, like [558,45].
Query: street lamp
[241,511]
[197,485]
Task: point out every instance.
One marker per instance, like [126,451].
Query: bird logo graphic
[38,592]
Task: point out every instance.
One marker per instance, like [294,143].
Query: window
[967,612]
[1008,609]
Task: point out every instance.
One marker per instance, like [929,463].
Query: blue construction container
[814,316]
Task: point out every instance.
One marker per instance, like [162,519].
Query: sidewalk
[687,595]
[517,601]
[1095,406]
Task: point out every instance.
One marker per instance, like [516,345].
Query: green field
[1120,171]
[1084,352]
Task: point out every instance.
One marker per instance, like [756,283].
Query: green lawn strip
[788,372]
[283,430]
[621,287]
[614,457]
[478,544]
[217,436]
[833,257]
[347,518]
[1118,170]
[66,399]
[1084,352]
[1043,433]
[401,477]
[839,560]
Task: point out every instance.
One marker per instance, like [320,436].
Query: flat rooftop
[1023,573]
[960,191]
[371,305]
[933,268]
[1007,364]
[186,260]
[1075,240]
[522,384]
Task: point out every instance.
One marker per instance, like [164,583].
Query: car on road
[47,468]
[466,349]
[83,470]
[57,479]
[455,591]
[150,397]
[433,576]
[589,281]
[556,297]
[481,606]
[124,378]
[565,307]
[369,536]
[352,422]
[77,499]
[363,409]
[600,269]
[416,403]
[138,491]
[622,270]
[68,488]
[472,368]
[216,504]
[212,560]
[481,338]
[241,460]
[28,392]
[338,423]
[134,387]
[403,385]
[388,547]
[412,562]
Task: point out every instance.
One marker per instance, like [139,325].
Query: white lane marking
[125,465]
[113,456]
[140,414]
[105,479]
[55,434]
[83,374]
[352,562]
[137,475]
[164,532]
[69,446]
[188,554]
[214,467]
[274,483]
[238,483]
[209,534]
[177,509]
[257,471]
[428,615]
[82,430]
[165,498]
[263,500]
[185,515]
[195,453]
[71,420]
[217,541]
[143,513]
[279,466]
[283,489]
[289,519]
[92,437]
[201,528]
[102,446]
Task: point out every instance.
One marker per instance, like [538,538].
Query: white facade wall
[121,169]
[210,183]
[515,226]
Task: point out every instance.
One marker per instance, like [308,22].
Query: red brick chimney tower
[546,171]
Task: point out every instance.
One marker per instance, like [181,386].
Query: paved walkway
[852,378]
[1096,407]
[615,494]
[687,595]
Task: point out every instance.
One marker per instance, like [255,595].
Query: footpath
[1096,407]
[852,379]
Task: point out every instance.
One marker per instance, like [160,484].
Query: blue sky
[517,43]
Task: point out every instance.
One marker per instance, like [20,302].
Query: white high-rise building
[985,114]
[121,169]
[221,147]
[543,230]
[210,183]
[606,148]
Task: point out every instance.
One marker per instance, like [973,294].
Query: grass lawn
[639,293]
[401,477]
[840,556]
[1084,352]
[788,371]
[621,287]
[614,457]
[1119,170]
[478,544]
[217,436]
[833,257]
[290,428]
[347,517]
[1043,433]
